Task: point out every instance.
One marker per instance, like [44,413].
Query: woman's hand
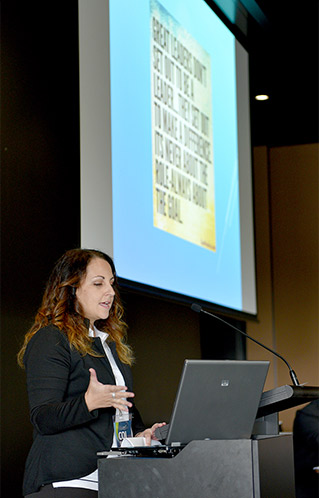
[100,395]
[149,434]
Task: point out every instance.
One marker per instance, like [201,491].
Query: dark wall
[40,219]
[40,178]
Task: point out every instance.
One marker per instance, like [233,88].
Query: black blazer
[66,435]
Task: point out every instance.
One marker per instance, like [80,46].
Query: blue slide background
[143,253]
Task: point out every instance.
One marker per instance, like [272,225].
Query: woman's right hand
[100,395]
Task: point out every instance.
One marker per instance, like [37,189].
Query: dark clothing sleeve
[306,450]
[49,368]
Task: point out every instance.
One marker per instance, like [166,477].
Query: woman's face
[95,293]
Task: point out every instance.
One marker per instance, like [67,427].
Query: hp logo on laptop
[224,383]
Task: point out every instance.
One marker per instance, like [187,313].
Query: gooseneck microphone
[199,309]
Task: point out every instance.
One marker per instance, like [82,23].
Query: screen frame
[94,197]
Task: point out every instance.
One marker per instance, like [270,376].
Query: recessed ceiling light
[262,97]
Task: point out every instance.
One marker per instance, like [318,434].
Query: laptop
[216,399]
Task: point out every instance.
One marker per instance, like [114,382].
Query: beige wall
[286,215]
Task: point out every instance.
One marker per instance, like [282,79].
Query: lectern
[261,467]
[277,400]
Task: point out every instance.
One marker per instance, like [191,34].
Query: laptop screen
[217,399]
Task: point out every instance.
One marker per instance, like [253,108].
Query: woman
[78,377]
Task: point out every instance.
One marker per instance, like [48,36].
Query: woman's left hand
[149,434]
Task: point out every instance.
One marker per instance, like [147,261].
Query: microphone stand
[293,376]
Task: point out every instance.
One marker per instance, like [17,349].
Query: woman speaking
[79,379]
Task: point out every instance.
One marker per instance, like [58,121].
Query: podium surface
[205,469]
[284,397]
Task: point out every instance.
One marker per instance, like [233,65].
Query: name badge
[122,423]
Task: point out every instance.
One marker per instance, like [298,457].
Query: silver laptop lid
[217,399]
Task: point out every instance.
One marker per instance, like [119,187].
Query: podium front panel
[204,469]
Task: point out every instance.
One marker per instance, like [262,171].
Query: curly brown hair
[61,308]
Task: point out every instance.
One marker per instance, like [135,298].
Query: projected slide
[183,176]
[192,249]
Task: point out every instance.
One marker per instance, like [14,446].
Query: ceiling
[282,39]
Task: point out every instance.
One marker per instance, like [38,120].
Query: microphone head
[196,307]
